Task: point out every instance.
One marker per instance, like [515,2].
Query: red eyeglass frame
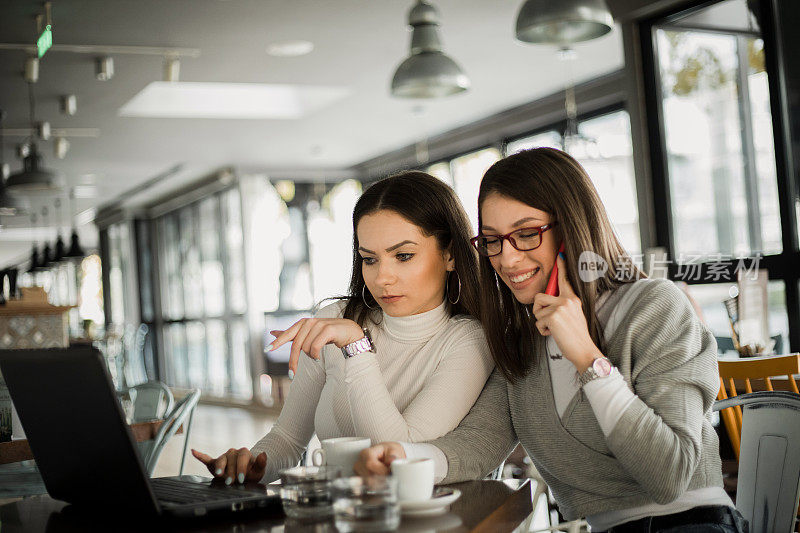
[507,236]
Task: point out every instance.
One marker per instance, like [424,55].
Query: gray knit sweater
[662,446]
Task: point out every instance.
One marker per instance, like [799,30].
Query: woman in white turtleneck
[402,357]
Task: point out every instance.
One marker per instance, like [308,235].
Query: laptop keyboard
[177,491]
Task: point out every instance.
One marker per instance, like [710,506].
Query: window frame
[780,266]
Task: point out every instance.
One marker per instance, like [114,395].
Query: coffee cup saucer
[438,504]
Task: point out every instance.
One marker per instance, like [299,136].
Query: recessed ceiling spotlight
[32,69]
[68,104]
[43,130]
[61,147]
[290,48]
[104,68]
[172,69]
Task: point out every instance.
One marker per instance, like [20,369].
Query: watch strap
[364,344]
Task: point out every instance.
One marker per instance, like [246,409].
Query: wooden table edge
[514,511]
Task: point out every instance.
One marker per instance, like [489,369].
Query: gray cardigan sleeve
[673,371]
[484,438]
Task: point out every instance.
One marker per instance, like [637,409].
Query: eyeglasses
[524,240]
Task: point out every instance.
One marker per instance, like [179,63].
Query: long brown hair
[551,181]
[434,208]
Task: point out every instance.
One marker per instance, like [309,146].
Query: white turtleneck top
[423,377]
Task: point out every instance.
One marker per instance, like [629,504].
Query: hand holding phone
[552,283]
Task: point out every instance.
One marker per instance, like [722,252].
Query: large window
[203,297]
[606,153]
[468,171]
[712,149]
[718,140]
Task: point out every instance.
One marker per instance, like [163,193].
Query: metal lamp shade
[428,75]
[35,265]
[11,205]
[32,177]
[563,22]
[58,256]
[47,257]
[75,251]
[427,72]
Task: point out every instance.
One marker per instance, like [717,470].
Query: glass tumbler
[366,504]
[306,491]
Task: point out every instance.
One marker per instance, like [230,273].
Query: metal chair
[768,488]
[180,415]
[134,366]
[761,368]
[150,401]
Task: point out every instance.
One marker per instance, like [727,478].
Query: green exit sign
[45,41]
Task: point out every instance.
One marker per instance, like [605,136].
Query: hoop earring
[364,298]
[447,289]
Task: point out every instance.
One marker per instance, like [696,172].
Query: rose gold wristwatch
[600,368]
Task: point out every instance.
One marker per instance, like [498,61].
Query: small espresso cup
[414,479]
[341,451]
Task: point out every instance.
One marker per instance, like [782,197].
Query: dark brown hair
[551,181]
[434,208]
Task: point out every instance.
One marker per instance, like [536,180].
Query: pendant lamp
[427,72]
[33,177]
[35,265]
[563,22]
[75,250]
[9,205]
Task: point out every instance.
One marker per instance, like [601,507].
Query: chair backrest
[172,422]
[151,400]
[765,368]
[768,486]
[135,368]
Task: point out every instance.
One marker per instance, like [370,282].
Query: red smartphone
[552,283]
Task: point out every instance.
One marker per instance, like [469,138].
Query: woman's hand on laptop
[312,334]
[376,459]
[239,465]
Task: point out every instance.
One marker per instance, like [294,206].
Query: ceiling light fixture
[68,104]
[427,72]
[172,69]
[75,250]
[46,259]
[32,69]
[35,264]
[60,249]
[290,48]
[43,130]
[32,177]
[9,205]
[61,147]
[104,68]
[563,22]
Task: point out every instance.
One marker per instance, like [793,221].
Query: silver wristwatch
[362,345]
[600,368]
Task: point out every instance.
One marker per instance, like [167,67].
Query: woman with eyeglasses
[403,355]
[606,378]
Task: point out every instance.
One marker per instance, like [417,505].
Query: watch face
[602,367]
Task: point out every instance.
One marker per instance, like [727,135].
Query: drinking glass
[306,490]
[365,504]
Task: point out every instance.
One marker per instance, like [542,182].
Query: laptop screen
[76,428]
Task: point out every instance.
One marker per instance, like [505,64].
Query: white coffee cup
[414,479]
[341,451]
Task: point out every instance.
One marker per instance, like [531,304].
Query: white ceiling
[358,44]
